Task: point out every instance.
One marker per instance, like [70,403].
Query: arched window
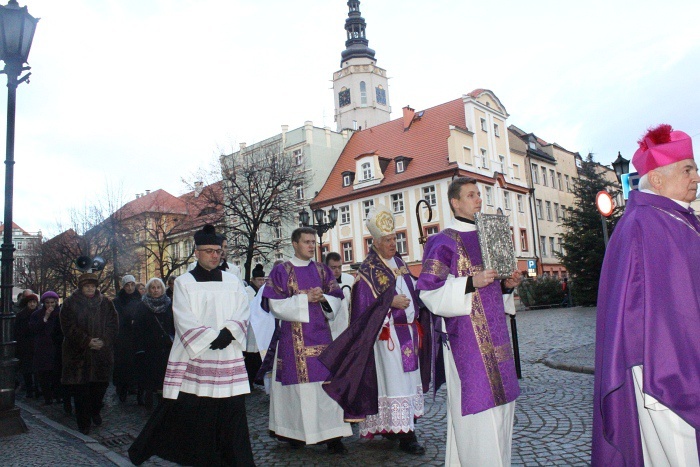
[363,94]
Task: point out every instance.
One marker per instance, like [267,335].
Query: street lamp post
[621,166]
[319,226]
[17,28]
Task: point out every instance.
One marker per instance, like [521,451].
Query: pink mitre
[661,146]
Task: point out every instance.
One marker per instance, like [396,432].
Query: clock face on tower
[381,95]
[344,98]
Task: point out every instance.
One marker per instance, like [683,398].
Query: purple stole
[479,342]
[300,344]
[377,278]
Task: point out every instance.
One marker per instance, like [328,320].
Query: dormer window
[399,167]
[348,178]
[401,163]
[366,169]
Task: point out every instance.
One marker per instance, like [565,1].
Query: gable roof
[159,201]
[425,142]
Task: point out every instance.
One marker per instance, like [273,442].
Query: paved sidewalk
[552,421]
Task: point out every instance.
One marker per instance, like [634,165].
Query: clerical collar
[339,279]
[464,219]
[202,275]
[299,262]
[683,204]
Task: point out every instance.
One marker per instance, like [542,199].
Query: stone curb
[91,443]
[577,360]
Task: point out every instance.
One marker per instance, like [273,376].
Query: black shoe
[296,444]
[336,447]
[411,446]
[85,430]
[97,420]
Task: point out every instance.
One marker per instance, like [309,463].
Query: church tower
[360,87]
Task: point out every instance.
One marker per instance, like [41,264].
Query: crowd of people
[332,350]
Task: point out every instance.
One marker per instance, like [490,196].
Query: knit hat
[87,278]
[49,294]
[258,271]
[380,221]
[128,278]
[208,236]
[661,146]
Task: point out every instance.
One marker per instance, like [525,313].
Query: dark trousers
[88,401]
[47,383]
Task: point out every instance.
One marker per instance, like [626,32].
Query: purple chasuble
[479,342]
[350,358]
[648,314]
[300,344]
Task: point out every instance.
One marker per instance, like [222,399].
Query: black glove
[224,339]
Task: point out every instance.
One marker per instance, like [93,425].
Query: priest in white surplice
[478,362]
[375,366]
[345,281]
[303,294]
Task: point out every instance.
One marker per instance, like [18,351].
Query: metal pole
[516,346]
[605,231]
[10,420]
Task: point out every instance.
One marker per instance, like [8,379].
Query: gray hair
[155,279]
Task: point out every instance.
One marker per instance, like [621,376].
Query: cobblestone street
[552,425]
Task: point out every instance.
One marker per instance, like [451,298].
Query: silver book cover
[496,242]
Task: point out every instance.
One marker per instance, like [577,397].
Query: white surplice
[303,411]
[400,394]
[485,438]
[340,321]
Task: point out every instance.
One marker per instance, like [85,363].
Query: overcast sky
[138,94]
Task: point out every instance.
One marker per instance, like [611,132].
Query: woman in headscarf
[153,337]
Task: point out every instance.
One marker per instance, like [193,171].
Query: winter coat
[47,340]
[82,319]
[125,304]
[153,334]
[24,350]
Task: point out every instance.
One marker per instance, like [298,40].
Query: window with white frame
[483,125]
[544,175]
[506,199]
[484,158]
[489,196]
[561,245]
[347,252]
[538,208]
[400,167]
[543,246]
[429,195]
[467,155]
[521,203]
[502,164]
[533,171]
[431,230]
[551,177]
[366,169]
[401,243]
[300,191]
[556,211]
[548,207]
[559,186]
[344,214]
[397,202]
[278,231]
[363,94]
[347,180]
[516,171]
[563,212]
[523,240]
[298,155]
[568,184]
[496,130]
[578,163]
[551,245]
[366,205]
[368,244]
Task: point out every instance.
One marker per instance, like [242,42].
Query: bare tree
[161,236]
[262,189]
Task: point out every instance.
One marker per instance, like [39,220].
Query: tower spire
[356,45]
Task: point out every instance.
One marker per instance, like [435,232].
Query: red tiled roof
[14,226]
[425,142]
[159,201]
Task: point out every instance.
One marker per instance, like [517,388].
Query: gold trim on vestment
[489,354]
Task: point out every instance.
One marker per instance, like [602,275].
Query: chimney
[241,146]
[309,130]
[138,195]
[198,185]
[328,136]
[148,192]
[408,114]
